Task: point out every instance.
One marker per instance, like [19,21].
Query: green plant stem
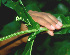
[30,31]
[22,32]
[29,44]
[65,25]
[18,33]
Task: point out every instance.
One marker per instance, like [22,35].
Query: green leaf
[68,1]
[33,6]
[3,1]
[10,28]
[61,48]
[0,2]
[29,44]
[68,51]
[63,20]
[21,11]
[61,9]
[28,48]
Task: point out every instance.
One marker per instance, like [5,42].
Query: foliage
[57,45]
[0,2]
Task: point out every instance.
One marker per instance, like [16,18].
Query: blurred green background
[44,44]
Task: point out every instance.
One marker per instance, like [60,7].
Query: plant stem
[30,31]
[65,25]
[18,33]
